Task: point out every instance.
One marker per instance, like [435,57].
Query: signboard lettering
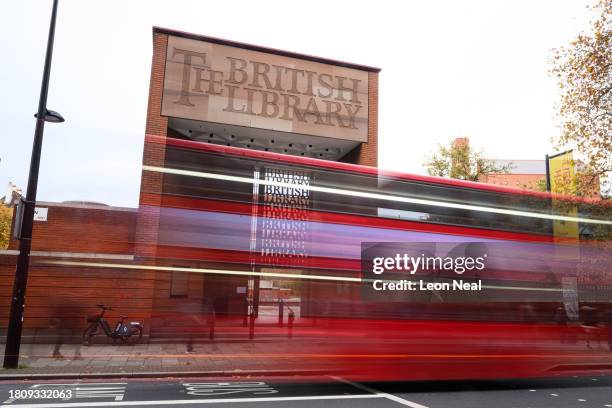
[224,84]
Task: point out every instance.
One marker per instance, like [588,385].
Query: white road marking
[391,397]
[225,388]
[83,390]
[199,401]
[554,395]
[99,392]
[581,400]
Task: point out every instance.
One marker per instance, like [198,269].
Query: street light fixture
[52,116]
[15,324]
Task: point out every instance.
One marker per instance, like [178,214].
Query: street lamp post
[13,336]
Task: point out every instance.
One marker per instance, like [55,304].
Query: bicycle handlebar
[101,306]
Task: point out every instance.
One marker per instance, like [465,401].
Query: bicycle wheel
[135,335]
[89,333]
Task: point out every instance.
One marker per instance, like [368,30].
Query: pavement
[328,347]
[267,373]
[155,359]
[302,392]
[299,356]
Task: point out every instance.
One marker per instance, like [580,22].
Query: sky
[477,69]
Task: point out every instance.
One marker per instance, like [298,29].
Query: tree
[6,218]
[583,70]
[458,160]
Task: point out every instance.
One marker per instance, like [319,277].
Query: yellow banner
[562,178]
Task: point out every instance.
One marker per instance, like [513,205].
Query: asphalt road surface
[334,392]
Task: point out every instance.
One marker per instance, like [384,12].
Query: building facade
[528,174]
[203,90]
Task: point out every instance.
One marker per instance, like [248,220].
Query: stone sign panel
[237,86]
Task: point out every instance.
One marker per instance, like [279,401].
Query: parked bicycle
[127,332]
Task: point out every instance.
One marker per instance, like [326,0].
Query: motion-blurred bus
[277,238]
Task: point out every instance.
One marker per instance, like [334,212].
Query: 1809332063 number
[40,394]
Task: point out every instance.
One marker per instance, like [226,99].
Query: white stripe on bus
[378,196]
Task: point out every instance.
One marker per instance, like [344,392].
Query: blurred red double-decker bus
[279,241]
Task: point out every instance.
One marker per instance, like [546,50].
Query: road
[333,392]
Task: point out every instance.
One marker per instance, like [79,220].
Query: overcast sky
[449,68]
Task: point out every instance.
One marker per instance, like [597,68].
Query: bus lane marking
[228,388]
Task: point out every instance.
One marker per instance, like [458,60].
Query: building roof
[84,205]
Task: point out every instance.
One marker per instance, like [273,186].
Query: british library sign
[225,84]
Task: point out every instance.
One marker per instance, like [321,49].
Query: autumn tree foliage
[458,160]
[6,218]
[583,70]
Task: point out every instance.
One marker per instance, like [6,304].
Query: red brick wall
[153,155]
[7,273]
[157,124]
[151,183]
[368,153]
[59,296]
[83,228]
[528,181]
[147,226]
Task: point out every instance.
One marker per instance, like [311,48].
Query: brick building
[204,90]
[529,174]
